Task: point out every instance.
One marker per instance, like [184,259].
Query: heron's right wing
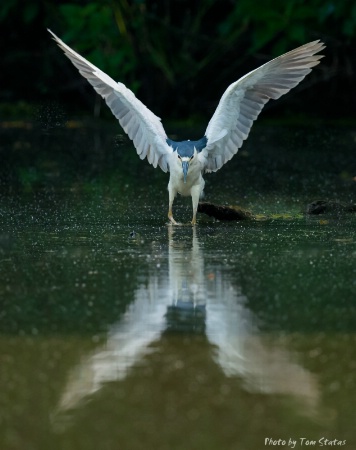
[142,126]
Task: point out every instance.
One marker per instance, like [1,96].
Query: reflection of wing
[141,125]
[263,364]
[228,323]
[127,343]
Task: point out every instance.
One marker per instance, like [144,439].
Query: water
[120,332]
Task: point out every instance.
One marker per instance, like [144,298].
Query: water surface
[119,331]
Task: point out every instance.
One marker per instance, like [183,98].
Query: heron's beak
[185,167]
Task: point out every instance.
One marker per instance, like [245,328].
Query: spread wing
[142,126]
[243,100]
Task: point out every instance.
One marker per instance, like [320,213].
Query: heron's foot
[171,219]
[175,224]
[194,221]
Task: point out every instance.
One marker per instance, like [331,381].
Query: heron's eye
[192,157]
[179,157]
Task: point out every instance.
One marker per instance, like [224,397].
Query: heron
[241,103]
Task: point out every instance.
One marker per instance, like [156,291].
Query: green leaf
[29,12]
[5,8]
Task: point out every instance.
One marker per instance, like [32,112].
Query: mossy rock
[329,207]
[221,212]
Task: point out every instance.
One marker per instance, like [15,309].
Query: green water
[120,332]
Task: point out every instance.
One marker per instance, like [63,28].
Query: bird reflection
[184,296]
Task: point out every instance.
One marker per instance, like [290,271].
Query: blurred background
[177,56]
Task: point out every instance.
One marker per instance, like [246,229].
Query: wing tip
[53,35]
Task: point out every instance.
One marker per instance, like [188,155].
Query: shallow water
[120,332]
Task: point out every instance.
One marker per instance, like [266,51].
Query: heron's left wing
[243,100]
[142,126]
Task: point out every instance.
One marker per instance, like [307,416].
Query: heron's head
[186,161]
[186,152]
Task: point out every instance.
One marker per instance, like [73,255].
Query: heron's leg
[172,193]
[195,192]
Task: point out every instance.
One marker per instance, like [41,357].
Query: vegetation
[178,56]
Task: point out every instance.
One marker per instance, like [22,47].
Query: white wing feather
[243,100]
[142,126]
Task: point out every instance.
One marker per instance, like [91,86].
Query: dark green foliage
[178,56]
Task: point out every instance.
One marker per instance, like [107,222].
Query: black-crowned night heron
[229,126]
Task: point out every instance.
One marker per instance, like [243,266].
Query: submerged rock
[224,212]
[325,207]
[316,207]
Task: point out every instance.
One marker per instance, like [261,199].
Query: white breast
[194,177]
